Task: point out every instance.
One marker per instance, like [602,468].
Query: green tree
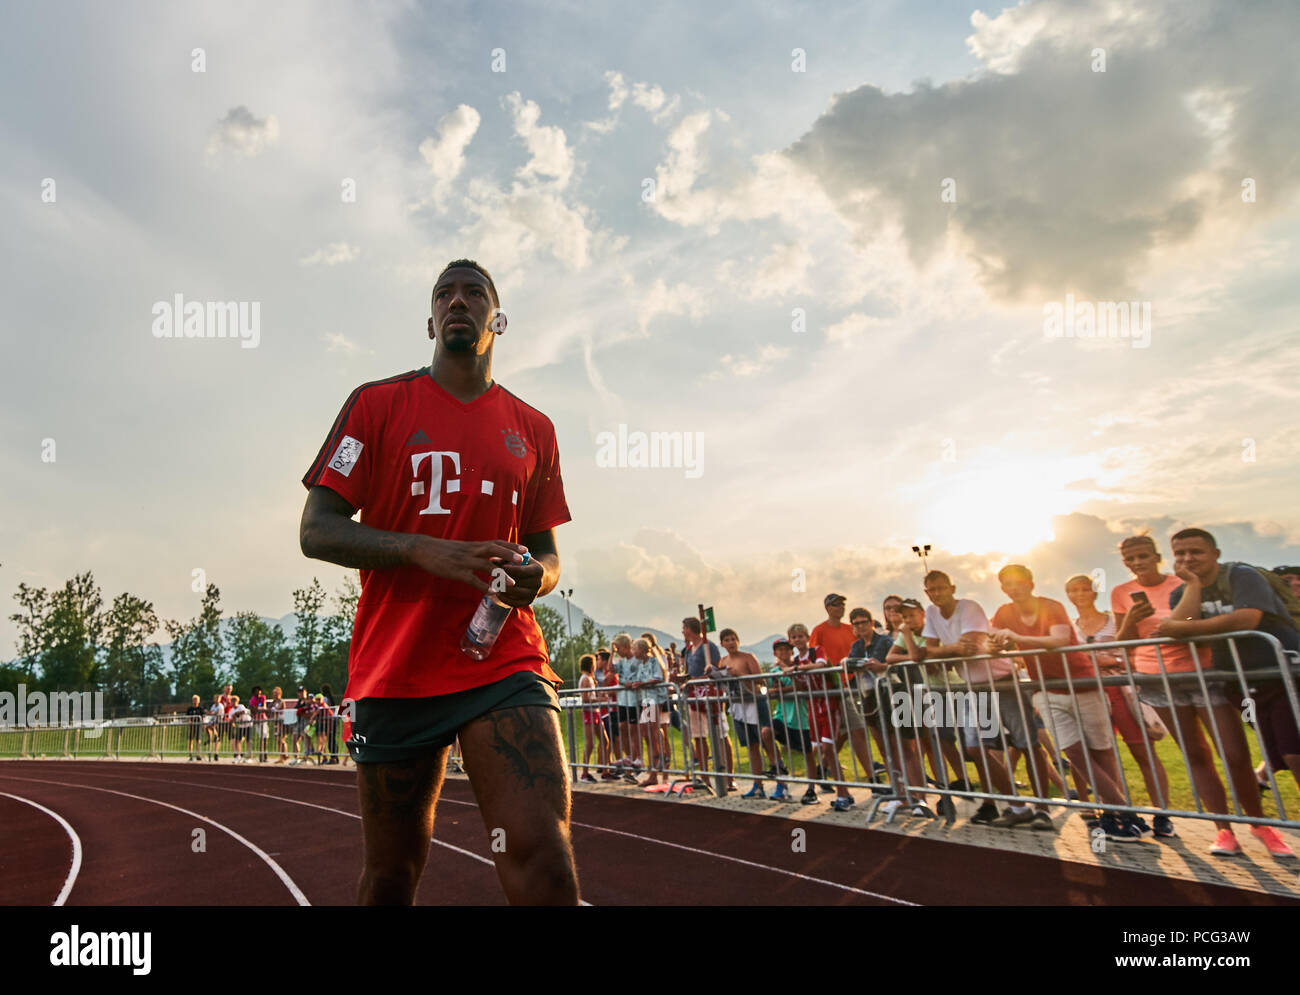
[331,664]
[198,662]
[551,622]
[308,635]
[259,654]
[130,664]
[70,637]
[587,640]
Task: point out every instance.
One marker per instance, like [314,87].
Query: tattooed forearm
[351,544]
[527,739]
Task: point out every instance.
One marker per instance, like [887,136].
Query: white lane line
[288,882]
[678,846]
[734,860]
[75,869]
[295,801]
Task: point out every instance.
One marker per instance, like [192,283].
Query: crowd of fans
[835,685]
[312,722]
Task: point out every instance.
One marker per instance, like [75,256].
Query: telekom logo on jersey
[432,464]
[427,469]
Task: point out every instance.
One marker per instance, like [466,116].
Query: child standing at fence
[593,731]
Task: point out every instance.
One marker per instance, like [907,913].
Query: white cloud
[679,299]
[445,154]
[547,146]
[242,134]
[338,342]
[331,255]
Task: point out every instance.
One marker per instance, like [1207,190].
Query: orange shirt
[835,641]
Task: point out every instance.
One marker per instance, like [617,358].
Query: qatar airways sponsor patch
[346,456]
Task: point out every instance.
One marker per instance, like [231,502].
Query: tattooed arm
[327,532]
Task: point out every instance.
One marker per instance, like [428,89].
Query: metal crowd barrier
[851,704]
[1236,685]
[599,731]
[261,740]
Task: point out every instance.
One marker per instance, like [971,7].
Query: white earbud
[498,323]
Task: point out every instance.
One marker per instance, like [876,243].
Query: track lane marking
[287,881]
[73,870]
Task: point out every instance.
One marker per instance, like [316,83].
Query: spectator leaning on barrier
[870,645]
[239,725]
[750,714]
[275,709]
[1235,597]
[702,658]
[194,719]
[790,717]
[1077,718]
[606,677]
[958,627]
[662,698]
[593,732]
[257,705]
[836,640]
[1292,577]
[1093,626]
[824,714]
[216,715]
[629,707]
[298,728]
[907,671]
[332,722]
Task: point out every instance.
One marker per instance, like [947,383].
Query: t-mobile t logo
[430,481]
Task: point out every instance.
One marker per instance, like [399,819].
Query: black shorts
[792,739]
[385,730]
[629,714]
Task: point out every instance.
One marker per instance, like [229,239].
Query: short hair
[622,639]
[1083,577]
[1016,568]
[728,632]
[797,627]
[1194,534]
[586,662]
[693,624]
[861,613]
[936,575]
[256,688]
[470,264]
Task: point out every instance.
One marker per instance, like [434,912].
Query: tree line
[69,640]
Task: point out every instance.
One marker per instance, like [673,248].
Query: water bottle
[486,624]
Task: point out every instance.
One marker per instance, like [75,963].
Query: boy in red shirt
[455,478]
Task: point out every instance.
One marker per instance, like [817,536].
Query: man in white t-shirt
[959,628]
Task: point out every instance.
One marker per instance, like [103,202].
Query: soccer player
[455,479]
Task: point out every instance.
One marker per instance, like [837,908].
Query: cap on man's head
[911,603]
[831,599]
[782,642]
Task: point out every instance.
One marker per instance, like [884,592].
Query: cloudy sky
[828,240]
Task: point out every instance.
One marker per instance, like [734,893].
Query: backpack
[1280,587]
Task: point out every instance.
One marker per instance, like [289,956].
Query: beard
[459,341]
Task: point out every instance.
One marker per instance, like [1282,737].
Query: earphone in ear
[498,322]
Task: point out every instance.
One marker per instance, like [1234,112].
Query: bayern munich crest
[514,443]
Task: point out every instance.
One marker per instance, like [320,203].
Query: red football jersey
[412,458]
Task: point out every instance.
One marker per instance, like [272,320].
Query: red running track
[275,836]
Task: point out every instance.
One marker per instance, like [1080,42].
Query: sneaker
[825,789]
[608,776]
[1120,832]
[1272,840]
[891,806]
[770,773]
[842,804]
[1010,818]
[1141,824]
[629,777]
[1225,844]
[985,815]
[1042,822]
[588,778]
[755,792]
[810,797]
[1091,819]
[1072,795]
[1163,827]
[781,795]
[961,785]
